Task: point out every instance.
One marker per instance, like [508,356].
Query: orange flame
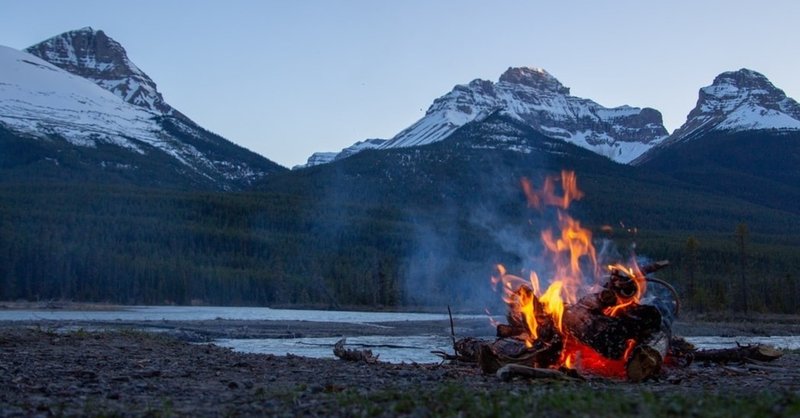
[567,251]
[638,279]
[571,252]
[547,196]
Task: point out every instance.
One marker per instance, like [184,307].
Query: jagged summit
[739,101]
[93,55]
[536,98]
[536,78]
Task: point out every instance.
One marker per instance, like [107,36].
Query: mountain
[742,139]
[539,100]
[92,114]
[318,158]
[738,101]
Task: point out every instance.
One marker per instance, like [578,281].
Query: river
[396,349]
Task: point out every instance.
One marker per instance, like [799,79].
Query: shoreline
[134,373]
[207,330]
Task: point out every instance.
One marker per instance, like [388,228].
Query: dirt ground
[48,369]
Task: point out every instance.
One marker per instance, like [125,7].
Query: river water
[207,313]
[396,349]
[418,348]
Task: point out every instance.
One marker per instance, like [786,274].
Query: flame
[637,279]
[547,196]
[566,249]
[574,266]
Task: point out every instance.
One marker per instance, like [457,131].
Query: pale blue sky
[287,78]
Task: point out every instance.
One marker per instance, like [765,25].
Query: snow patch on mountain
[742,100]
[42,100]
[540,101]
[319,158]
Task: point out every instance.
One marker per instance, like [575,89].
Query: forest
[135,245]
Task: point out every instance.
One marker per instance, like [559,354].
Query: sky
[289,78]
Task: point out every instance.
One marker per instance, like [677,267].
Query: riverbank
[132,373]
[210,330]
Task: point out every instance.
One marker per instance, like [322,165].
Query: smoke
[456,251]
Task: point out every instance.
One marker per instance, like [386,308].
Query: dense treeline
[154,246]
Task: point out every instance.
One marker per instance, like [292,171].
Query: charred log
[622,284]
[610,335]
[510,331]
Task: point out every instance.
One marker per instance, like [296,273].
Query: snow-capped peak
[61,110]
[536,98]
[739,101]
[93,55]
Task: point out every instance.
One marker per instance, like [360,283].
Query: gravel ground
[133,373]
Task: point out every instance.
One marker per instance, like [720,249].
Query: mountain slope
[480,165]
[59,114]
[539,100]
[758,166]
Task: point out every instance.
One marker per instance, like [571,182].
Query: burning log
[618,331]
[353,355]
[609,331]
[609,335]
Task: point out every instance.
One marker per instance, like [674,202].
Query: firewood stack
[634,337]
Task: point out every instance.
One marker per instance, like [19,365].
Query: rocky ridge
[742,100]
[536,98]
[91,54]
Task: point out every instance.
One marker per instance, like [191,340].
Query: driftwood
[353,355]
[740,354]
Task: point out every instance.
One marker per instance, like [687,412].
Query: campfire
[591,319]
